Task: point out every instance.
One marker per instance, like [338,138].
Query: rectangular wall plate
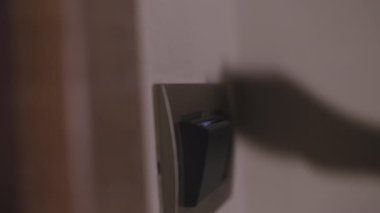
[173,102]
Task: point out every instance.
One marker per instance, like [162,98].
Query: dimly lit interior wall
[182,42]
[332,48]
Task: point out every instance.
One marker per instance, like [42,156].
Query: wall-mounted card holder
[194,147]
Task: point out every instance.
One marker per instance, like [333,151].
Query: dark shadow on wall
[280,116]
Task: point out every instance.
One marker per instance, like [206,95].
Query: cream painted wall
[332,47]
[182,41]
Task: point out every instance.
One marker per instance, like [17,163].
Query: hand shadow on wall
[278,115]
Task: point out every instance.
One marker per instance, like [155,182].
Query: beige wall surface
[91,81]
[332,49]
[182,42]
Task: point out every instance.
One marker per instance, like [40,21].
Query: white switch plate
[171,102]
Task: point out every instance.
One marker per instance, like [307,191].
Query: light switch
[194,141]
